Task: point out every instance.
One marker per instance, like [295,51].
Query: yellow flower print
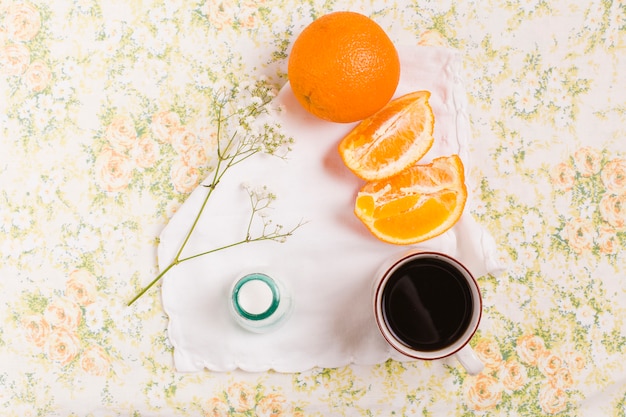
[146,153]
[14,59]
[526,101]
[575,360]
[241,396]
[613,176]
[249,8]
[579,234]
[607,240]
[587,161]
[184,178]
[552,400]
[613,210]
[563,176]
[81,287]
[63,346]
[94,317]
[271,405]
[113,170]
[562,378]
[183,139]
[63,313]
[22,22]
[219,14]
[489,353]
[36,329]
[37,76]
[95,361]
[549,363]
[432,38]
[163,124]
[530,348]
[585,315]
[217,408]
[484,393]
[195,156]
[121,133]
[514,375]
[225,13]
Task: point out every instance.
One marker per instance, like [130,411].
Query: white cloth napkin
[329,263]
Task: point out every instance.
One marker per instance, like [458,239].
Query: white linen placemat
[330,261]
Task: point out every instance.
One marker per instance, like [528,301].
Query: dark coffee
[427,304]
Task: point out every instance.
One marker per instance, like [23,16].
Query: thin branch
[154,281]
[239,146]
[275,237]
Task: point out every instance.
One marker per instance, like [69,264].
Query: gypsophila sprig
[241,133]
[260,201]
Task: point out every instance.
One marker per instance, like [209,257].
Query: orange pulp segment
[417,204]
[391,139]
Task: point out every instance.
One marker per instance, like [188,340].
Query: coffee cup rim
[440,353]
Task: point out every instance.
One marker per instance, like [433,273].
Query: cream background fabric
[105,132]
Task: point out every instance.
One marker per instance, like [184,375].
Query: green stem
[154,281]
[197,255]
[181,260]
[177,259]
[225,160]
[241,242]
[195,221]
[216,178]
[218,173]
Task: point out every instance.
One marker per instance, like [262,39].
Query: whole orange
[343,67]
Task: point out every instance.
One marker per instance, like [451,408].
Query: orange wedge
[417,204]
[390,140]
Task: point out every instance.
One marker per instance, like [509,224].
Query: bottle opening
[256,297]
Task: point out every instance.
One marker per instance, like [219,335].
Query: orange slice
[419,203]
[391,139]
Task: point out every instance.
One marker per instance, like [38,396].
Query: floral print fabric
[104,133]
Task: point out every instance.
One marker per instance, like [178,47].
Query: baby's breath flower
[248,120]
[240,135]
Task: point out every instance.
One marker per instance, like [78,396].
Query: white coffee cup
[428,306]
